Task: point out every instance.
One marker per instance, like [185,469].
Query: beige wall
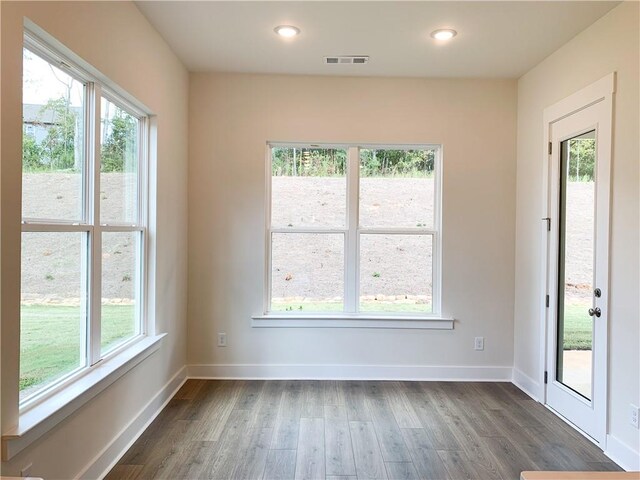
[116,39]
[611,44]
[232,116]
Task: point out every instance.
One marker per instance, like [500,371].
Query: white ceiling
[495,39]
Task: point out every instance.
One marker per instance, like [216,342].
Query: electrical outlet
[222,339]
[634,414]
[478,344]
[26,470]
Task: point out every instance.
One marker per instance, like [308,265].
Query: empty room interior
[320,240]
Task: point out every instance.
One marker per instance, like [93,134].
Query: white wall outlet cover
[634,415]
[26,470]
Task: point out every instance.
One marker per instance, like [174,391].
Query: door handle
[595,311]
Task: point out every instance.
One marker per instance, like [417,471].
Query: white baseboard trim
[349,372]
[528,385]
[100,466]
[622,454]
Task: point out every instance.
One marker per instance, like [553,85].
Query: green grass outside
[307,307]
[578,328]
[329,307]
[50,339]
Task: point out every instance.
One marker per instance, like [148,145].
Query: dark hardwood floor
[353,429]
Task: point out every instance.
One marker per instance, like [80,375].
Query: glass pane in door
[576,261]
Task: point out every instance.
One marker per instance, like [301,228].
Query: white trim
[527,384]
[102,463]
[93,161]
[56,51]
[582,99]
[123,104]
[38,420]
[352,232]
[437,245]
[622,454]
[397,231]
[30,226]
[347,145]
[350,372]
[347,320]
[268,257]
[351,274]
[321,231]
[55,227]
[145,323]
[107,227]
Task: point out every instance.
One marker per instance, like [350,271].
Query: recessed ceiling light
[444,34]
[287,31]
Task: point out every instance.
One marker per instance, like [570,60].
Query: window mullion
[351,240]
[142,177]
[436,262]
[95,271]
[142,322]
[87,248]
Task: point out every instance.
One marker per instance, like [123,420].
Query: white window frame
[89,223]
[351,316]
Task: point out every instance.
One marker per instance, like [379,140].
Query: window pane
[307,272]
[120,287]
[118,165]
[308,187]
[53,307]
[52,141]
[397,188]
[576,223]
[396,273]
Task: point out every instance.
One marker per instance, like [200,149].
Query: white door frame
[600,91]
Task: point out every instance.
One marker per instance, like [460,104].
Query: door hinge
[546,376]
[546,301]
[550,148]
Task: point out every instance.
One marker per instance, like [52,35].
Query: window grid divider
[56,227]
[143,323]
[436,246]
[310,230]
[397,231]
[95,314]
[266,299]
[352,263]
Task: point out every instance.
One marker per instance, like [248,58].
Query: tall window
[83,222]
[353,229]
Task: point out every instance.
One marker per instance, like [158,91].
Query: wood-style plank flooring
[273,430]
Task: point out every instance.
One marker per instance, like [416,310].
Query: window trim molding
[352,232]
[96,87]
[55,408]
[57,52]
[355,320]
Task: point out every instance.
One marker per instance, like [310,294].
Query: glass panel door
[576,315]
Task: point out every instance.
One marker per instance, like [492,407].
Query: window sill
[36,421]
[346,320]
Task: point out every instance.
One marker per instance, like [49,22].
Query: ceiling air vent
[346,59]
